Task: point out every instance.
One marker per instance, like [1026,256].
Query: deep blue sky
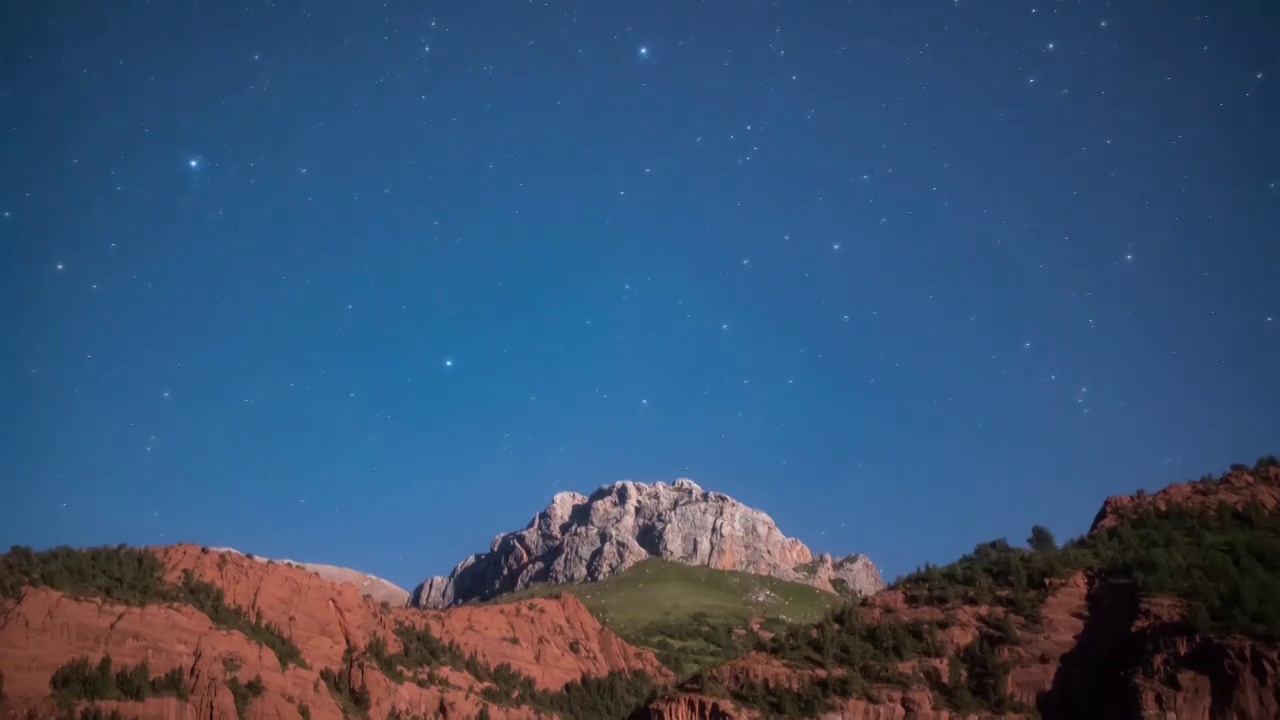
[366,284]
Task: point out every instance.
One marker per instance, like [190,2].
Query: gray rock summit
[584,539]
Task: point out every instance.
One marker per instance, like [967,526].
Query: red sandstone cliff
[552,641]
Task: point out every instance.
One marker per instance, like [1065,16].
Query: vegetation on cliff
[121,574]
[1220,560]
[244,693]
[844,656]
[134,576]
[614,696]
[80,679]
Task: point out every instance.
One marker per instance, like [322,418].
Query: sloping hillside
[1169,607]
[692,616]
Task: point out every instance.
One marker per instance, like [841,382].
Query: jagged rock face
[584,539]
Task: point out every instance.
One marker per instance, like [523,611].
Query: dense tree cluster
[80,679]
[855,655]
[1222,562]
[995,573]
[124,575]
[843,640]
[134,576]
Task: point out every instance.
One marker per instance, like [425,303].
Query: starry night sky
[367,283]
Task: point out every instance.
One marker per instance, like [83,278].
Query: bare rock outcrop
[372,585]
[584,539]
[1240,486]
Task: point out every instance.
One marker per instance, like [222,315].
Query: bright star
[644,51]
[448,363]
[193,163]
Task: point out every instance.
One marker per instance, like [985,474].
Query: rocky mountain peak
[580,538]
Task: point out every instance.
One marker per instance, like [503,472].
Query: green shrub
[79,679]
[244,693]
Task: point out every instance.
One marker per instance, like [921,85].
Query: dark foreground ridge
[1169,606]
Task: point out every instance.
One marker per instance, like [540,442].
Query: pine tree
[1041,539]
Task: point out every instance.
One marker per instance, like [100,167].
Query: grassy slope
[688,613]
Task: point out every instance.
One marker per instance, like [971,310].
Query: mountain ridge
[1169,606]
[579,538]
[380,589]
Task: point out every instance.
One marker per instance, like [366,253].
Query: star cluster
[366,284]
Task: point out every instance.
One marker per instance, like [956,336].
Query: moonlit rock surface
[584,539]
[381,590]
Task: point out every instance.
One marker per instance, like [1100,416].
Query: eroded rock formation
[584,539]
